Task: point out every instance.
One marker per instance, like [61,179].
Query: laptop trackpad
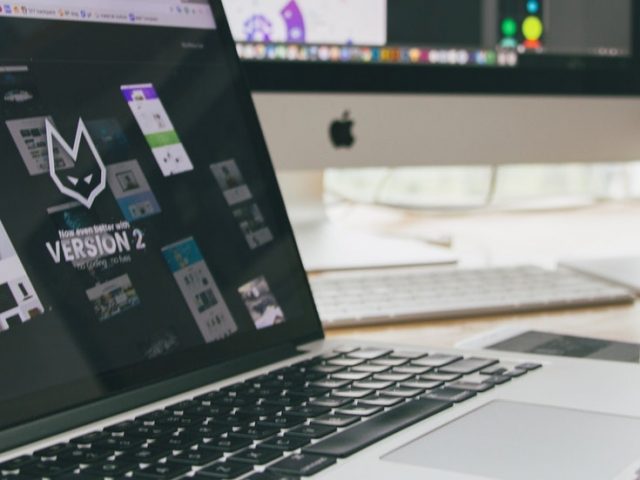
[516,441]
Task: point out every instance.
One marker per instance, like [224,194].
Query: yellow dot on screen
[532,28]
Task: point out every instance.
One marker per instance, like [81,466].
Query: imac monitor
[361,83]
[393,83]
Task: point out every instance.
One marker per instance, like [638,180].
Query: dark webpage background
[78,70]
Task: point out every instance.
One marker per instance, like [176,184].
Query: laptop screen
[142,233]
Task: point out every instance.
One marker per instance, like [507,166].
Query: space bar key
[369,432]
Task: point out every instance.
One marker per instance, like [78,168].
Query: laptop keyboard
[290,423]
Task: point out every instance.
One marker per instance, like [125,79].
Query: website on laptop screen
[141,232]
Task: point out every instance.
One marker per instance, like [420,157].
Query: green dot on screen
[509,27]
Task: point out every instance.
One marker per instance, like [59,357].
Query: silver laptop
[155,318]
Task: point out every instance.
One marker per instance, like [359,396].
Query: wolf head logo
[88,177]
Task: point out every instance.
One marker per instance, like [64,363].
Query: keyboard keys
[312,431]
[119,444]
[110,469]
[286,443]
[378,401]
[352,376]
[392,377]
[228,469]
[331,383]
[197,458]
[408,354]
[440,377]
[226,444]
[421,384]
[254,433]
[359,411]
[529,366]
[368,353]
[162,471]
[257,456]
[477,387]
[449,395]
[436,360]
[302,464]
[352,393]
[346,362]
[468,365]
[333,420]
[411,369]
[370,431]
[372,385]
[84,456]
[328,368]
[401,392]
[272,476]
[47,468]
[390,362]
[53,451]
[308,411]
[15,464]
[368,368]
[283,421]
[330,402]
[89,439]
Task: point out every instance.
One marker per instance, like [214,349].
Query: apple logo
[341,131]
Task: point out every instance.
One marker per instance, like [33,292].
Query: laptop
[156,321]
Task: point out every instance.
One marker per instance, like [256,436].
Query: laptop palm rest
[516,441]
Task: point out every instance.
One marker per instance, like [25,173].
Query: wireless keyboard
[378,296]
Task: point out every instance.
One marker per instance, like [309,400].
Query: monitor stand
[326,246]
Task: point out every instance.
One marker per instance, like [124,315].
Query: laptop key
[421,384]
[85,456]
[468,365]
[257,456]
[346,362]
[333,420]
[410,355]
[162,471]
[372,384]
[401,392]
[331,383]
[226,444]
[15,464]
[379,401]
[302,464]
[477,387]
[89,438]
[48,469]
[254,433]
[312,431]
[282,421]
[359,411]
[436,360]
[440,377]
[411,369]
[369,368]
[119,444]
[228,469]
[370,431]
[308,411]
[286,443]
[369,353]
[329,402]
[53,451]
[352,393]
[272,476]
[196,458]
[449,395]
[392,377]
[529,366]
[110,469]
[351,376]
[390,362]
